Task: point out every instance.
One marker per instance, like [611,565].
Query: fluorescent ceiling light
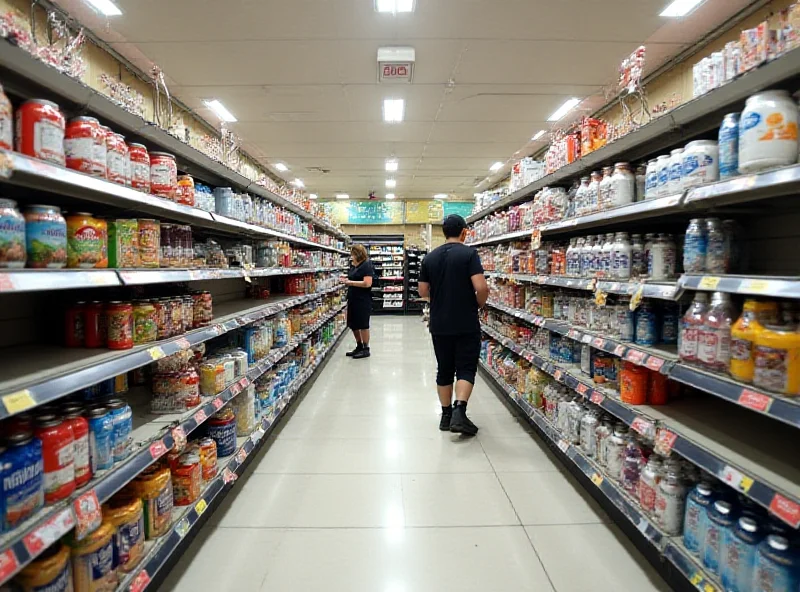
[220,110]
[313,196]
[391,165]
[390,196]
[393,110]
[342,196]
[440,196]
[105,7]
[391,183]
[496,167]
[568,106]
[281,167]
[298,183]
[680,8]
[394,6]
[538,135]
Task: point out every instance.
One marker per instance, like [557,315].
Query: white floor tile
[518,455]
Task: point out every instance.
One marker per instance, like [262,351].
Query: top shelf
[31,77]
[699,115]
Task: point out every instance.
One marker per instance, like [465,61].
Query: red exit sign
[400,72]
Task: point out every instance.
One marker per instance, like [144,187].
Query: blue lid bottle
[738,554]
[721,517]
[694,524]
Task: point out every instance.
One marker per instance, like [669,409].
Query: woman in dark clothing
[359,299]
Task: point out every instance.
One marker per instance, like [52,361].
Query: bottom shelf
[670,548]
[187,519]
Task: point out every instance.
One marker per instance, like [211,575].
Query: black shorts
[358,314]
[457,355]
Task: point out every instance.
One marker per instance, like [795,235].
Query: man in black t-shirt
[452,277]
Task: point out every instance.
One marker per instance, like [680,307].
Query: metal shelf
[775,286]
[501,238]
[736,451]
[36,375]
[36,174]
[31,77]
[697,116]
[660,290]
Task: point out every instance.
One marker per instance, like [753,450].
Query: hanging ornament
[162,102]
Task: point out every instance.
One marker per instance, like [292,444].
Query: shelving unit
[413,266]
[389,260]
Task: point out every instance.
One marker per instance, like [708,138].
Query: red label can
[163,175]
[58,453]
[140,167]
[100,154]
[40,131]
[115,158]
[95,325]
[80,433]
[75,325]
[79,140]
[119,323]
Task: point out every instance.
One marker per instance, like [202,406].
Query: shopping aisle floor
[361,492]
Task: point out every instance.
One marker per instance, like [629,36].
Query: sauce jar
[185,192]
[149,243]
[187,479]
[40,131]
[145,325]
[777,360]
[12,235]
[163,175]
[94,325]
[222,429]
[6,122]
[80,433]
[58,454]
[212,377]
[93,560]
[99,153]
[23,478]
[101,438]
[126,514]
[658,389]
[154,488]
[75,325]
[208,458]
[79,140]
[123,243]
[102,231]
[633,384]
[115,158]
[50,572]
[119,321]
[140,167]
[84,242]
[45,237]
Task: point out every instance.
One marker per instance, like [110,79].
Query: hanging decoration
[632,98]
[162,102]
[123,95]
[230,143]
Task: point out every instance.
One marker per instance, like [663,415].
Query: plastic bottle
[738,558]
[621,257]
[638,258]
[606,256]
[698,502]
[744,333]
[718,257]
[729,146]
[651,180]
[721,516]
[671,503]
[661,260]
[649,241]
[593,193]
[768,131]
[596,264]
[690,326]
[777,566]
[695,247]
[586,256]
[605,189]
[615,451]
[649,480]
[641,182]
[632,464]
[623,185]
[714,339]
[662,165]
[675,172]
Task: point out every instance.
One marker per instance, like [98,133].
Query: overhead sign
[424,212]
[462,208]
[396,64]
[368,212]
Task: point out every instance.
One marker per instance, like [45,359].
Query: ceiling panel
[337,132]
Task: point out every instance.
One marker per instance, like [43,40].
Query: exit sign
[396,72]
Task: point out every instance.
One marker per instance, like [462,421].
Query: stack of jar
[710,246]
[610,188]
[515,218]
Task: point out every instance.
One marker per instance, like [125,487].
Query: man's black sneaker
[444,423]
[352,353]
[460,423]
[364,353]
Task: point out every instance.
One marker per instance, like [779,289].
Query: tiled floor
[361,492]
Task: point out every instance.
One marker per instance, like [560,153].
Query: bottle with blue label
[729,146]
[738,555]
[695,246]
[718,256]
[646,319]
[670,319]
[721,517]
[695,524]
[777,566]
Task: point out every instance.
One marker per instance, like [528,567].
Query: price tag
[696,579]
[709,588]
[156,353]
[48,533]
[200,417]
[586,339]
[536,239]
[228,476]
[597,479]
[708,282]
[636,299]
[241,455]
[557,374]
[563,445]
[597,398]
[644,427]
[200,507]
[179,437]
[140,582]
[665,440]
[598,342]
[182,527]
[244,382]
[753,400]
[785,509]
[18,402]
[573,334]
[619,350]
[235,388]
[736,479]
[88,514]
[8,564]
[218,403]
[157,449]
[183,343]
[6,283]
[754,286]
[582,388]
[635,356]
[654,364]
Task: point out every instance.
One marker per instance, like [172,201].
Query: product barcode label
[654,364]
[785,509]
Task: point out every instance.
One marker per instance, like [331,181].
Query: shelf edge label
[785,509]
[19,401]
[755,401]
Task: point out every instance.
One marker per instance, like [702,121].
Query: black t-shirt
[357,274]
[454,306]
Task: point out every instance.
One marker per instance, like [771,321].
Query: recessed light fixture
[281,167]
[342,196]
[313,196]
[298,183]
[391,183]
[440,196]
[394,6]
[538,135]
[496,167]
[105,7]
[391,166]
[390,196]
[680,8]
[393,110]
[568,106]
[220,110]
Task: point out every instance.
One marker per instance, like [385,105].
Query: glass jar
[12,235]
[45,237]
[605,190]
[714,338]
[695,247]
[623,185]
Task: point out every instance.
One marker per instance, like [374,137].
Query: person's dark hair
[453,225]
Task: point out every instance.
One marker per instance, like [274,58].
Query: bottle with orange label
[744,334]
[777,359]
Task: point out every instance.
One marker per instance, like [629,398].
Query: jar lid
[4,202]
[55,209]
[85,118]
[699,143]
[165,154]
[19,438]
[748,524]
[41,102]
[116,404]
[136,145]
[778,542]
[47,420]
[95,412]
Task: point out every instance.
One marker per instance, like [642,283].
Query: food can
[102,231]
[163,175]
[75,325]
[95,325]
[101,438]
[99,153]
[126,514]
[154,488]
[12,235]
[6,122]
[40,131]
[122,420]
[79,139]
[123,243]
[212,377]
[176,312]
[633,382]
[145,325]
[187,479]
[80,433]
[84,243]
[23,478]
[140,167]
[93,560]
[58,455]
[115,158]
[45,237]
[161,317]
[185,190]
[149,242]
[119,321]
[222,429]
[49,572]
[208,458]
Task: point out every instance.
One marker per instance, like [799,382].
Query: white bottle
[638,257]
[651,180]
[604,201]
[597,256]
[607,256]
[768,132]
[700,163]
[571,256]
[580,197]
[674,185]
[586,256]
[622,257]
[662,165]
[593,193]
[623,185]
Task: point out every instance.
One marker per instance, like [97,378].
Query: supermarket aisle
[361,492]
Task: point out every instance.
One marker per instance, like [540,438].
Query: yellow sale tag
[156,353]
[636,299]
[200,507]
[745,483]
[19,401]
[755,286]
[597,479]
[709,588]
[696,579]
[709,282]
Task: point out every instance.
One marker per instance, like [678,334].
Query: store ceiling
[301,76]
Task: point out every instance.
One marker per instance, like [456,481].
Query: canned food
[187,479]
[75,325]
[23,478]
[154,488]
[123,243]
[122,422]
[93,560]
[126,514]
[185,190]
[12,235]
[140,167]
[49,572]
[119,319]
[101,439]
[79,139]
[163,175]
[45,237]
[58,455]
[40,131]
[145,325]
[208,458]
[222,429]
[149,242]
